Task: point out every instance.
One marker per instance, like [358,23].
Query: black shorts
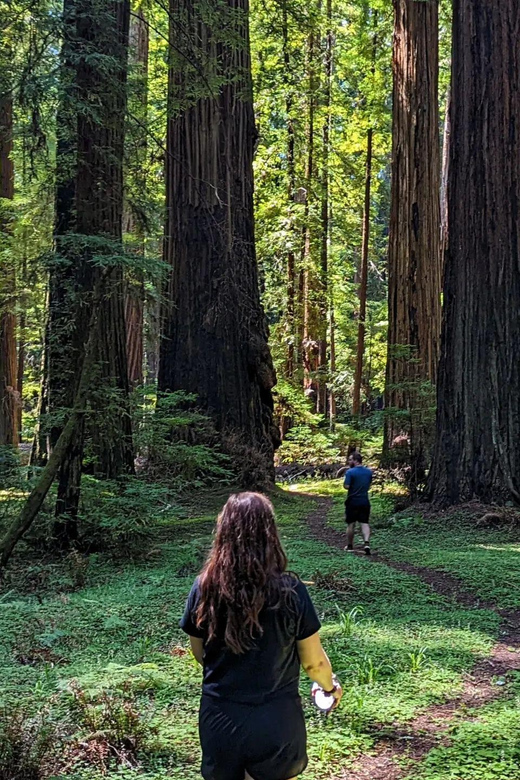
[268,741]
[357,514]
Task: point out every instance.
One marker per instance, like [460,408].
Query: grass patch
[485,747]
[113,640]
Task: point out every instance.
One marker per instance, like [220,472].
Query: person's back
[271,667]
[358,480]
[251,625]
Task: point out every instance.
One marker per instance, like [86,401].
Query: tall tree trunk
[477,452]
[332,397]
[323,287]
[444,177]
[9,399]
[99,205]
[89,222]
[63,343]
[309,345]
[215,332]
[414,261]
[291,192]
[363,279]
[136,179]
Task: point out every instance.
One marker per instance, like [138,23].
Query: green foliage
[349,620]
[120,514]
[9,465]
[110,729]
[290,401]
[417,659]
[29,744]
[304,444]
[113,629]
[485,748]
[177,443]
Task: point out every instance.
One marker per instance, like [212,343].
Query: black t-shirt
[272,667]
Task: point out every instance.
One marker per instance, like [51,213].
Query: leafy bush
[176,442]
[290,403]
[112,731]
[303,444]
[9,465]
[119,514]
[29,744]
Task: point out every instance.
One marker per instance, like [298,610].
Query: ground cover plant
[103,660]
[478,545]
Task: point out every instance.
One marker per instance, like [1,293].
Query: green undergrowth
[98,651]
[484,747]
[486,560]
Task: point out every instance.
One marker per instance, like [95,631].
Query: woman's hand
[337,693]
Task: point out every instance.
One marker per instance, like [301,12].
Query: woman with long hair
[252,625]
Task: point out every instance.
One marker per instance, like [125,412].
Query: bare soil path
[430,728]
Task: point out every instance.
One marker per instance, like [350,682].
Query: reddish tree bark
[414,261]
[477,452]
[89,222]
[444,177]
[215,333]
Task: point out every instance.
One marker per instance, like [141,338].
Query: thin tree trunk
[291,190]
[360,353]
[444,177]
[477,452]
[332,397]
[37,496]
[134,221]
[22,321]
[322,363]
[9,399]
[309,346]
[22,335]
[215,333]
[414,259]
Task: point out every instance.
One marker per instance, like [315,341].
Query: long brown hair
[243,572]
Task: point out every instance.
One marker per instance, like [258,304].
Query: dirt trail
[416,738]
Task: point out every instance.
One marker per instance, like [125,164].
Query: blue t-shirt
[357,481]
[272,667]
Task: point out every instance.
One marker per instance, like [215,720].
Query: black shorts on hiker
[357,514]
[268,741]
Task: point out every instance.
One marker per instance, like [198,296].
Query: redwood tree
[477,451]
[89,223]
[215,333]
[134,221]
[9,402]
[414,261]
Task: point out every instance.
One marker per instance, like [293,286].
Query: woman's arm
[316,664]
[197,648]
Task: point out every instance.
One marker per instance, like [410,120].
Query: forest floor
[424,634]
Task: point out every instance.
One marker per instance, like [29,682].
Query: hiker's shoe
[367,549]
[349,548]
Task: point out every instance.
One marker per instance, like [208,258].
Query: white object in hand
[323,701]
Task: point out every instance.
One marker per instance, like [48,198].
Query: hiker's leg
[351,527]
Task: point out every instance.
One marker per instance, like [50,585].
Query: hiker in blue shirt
[358,479]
